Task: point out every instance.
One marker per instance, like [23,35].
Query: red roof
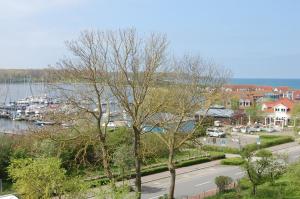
[284,101]
[249,87]
[283,88]
[296,94]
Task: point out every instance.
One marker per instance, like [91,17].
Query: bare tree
[195,84]
[135,63]
[84,89]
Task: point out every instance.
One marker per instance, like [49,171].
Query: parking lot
[235,140]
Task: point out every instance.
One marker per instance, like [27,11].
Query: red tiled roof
[284,101]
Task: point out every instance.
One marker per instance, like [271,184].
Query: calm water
[293,83]
[14,92]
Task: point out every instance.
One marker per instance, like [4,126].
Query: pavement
[195,179]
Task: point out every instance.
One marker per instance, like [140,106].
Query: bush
[42,178]
[233,161]
[6,150]
[268,141]
[221,149]
[222,182]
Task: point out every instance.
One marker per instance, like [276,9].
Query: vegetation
[21,75]
[285,186]
[222,182]
[268,141]
[233,161]
[221,149]
[42,178]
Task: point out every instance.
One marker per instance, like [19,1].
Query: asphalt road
[197,181]
[191,183]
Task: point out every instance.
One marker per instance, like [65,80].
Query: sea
[293,83]
[13,92]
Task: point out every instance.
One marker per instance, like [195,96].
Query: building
[278,112]
[220,113]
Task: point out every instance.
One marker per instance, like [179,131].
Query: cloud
[25,8]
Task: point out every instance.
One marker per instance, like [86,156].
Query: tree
[134,64]
[39,178]
[296,114]
[254,112]
[84,88]
[6,148]
[123,159]
[194,86]
[265,168]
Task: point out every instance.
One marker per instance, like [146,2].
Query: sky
[252,38]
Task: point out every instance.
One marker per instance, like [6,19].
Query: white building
[278,112]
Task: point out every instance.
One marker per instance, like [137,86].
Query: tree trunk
[106,162]
[254,190]
[172,171]
[137,156]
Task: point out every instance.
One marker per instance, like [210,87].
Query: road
[196,179]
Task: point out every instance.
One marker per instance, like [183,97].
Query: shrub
[233,161]
[222,182]
[268,141]
[221,149]
[6,150]
[42,178]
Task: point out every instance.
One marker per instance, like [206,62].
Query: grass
[181,161]
[266,141]
[6,188]
[287,186]
[269,141]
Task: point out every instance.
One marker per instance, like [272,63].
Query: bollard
[0,185]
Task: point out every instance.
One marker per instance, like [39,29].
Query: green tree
[296,115]
[254,113]
[124,160]
[6,150]
[263,168]
[40,178]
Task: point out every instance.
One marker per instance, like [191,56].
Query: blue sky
[253,38]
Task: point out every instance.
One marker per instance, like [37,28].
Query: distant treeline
[22,75]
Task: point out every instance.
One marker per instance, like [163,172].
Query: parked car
[269,129]
[236,129]
[8,197]
[215,132]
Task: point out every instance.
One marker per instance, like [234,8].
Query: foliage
[222,182]
[121,192]
[150,153]
[123,159]
[6,150]
[254,112]
[235,104]
[233,161]
[287,186]
[221,149]
[268,141]
[41,178]
[266,168]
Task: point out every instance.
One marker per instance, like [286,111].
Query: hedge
[233,161]
[268,141]
[221,149]
[163,167]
